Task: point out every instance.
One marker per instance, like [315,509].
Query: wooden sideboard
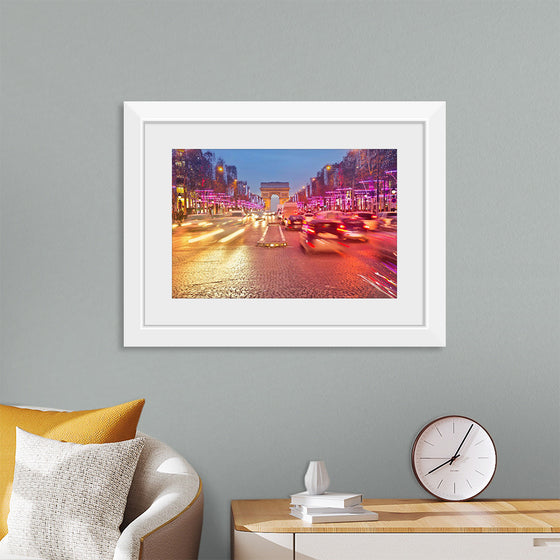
[406,530]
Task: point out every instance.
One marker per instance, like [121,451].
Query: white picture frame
[153,318]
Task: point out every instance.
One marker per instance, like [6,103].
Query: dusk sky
[293,166]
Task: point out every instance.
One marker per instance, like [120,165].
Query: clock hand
[460,445]
[446,462]
[455,456]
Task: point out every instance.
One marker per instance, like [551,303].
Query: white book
[311,510]
[328,499]
[364,515]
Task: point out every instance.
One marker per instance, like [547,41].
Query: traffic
[292,253]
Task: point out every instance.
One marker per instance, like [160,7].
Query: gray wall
[249,419]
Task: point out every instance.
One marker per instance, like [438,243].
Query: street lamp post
[219,170]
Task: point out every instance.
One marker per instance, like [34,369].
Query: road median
[272,237]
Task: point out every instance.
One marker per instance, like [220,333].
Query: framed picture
[284,224]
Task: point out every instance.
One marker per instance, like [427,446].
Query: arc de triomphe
[269,189]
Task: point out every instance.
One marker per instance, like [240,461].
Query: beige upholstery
[163,516]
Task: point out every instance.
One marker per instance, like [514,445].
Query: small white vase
[316,478]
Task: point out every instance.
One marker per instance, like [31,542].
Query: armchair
[163,516]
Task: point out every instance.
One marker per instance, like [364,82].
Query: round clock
[454,458]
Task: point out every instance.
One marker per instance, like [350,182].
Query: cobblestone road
[224,261]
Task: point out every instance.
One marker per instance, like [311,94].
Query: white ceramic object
[316,478]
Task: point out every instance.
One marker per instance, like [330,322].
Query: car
[331,215]
[387,220]
[195,222]
[238,216]
[352,229]
[308,216]
[384,246]
[369,219]
[385,249]
[286,210]
[294,221]
[320,236]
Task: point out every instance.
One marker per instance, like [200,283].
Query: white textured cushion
[17,557]
[68,499]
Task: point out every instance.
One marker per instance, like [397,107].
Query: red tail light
[310,230]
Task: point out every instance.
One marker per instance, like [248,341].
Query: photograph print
[283,223]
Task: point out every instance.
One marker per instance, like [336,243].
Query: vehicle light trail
[231,236]
[383,289]
[387,279]
[205,236]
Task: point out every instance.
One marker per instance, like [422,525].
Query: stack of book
[330,507]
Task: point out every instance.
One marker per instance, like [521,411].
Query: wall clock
[454,458]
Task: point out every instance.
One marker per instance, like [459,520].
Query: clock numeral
[440,483]
[438,432]
[468,482]
[429,443]
[479,442]
[482,474]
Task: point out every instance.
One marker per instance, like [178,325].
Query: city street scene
[261,223]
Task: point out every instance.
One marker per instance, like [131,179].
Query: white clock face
[454,458]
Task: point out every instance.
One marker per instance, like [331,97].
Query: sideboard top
[409,516]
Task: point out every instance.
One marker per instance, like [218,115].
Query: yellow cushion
[104,425]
